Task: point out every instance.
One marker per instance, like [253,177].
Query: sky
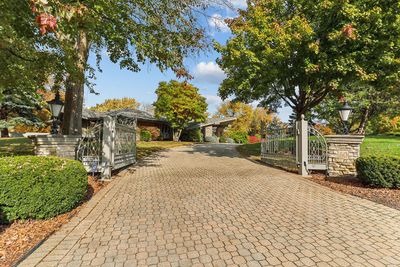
[114,82]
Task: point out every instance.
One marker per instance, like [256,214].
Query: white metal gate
[107,144]
[295,148]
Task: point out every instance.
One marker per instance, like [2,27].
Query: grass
[250,150]
[381,145]
[15,147]
[372,146]
[145,149]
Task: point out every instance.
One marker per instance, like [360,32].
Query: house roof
[129,113]
[217,121]
[212,122]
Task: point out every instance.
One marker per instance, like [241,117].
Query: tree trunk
[4,132]
[363,122]
[72,122]
[176,134]
[3,116]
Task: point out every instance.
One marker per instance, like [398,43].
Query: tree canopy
[300,51]
[115,104]
[26,58]
[180,103]
[248,119]
[367,102]
[161,32]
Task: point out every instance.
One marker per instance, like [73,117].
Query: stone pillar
[302,146]
[208,131]
[56,145]
[343,150]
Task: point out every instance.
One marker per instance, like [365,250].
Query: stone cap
[55,139]
[344,139]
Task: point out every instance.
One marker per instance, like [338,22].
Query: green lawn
[15,147]
[381,145]
[372,145]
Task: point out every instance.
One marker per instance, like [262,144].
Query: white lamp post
[345,113]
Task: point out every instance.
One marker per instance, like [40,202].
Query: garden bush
[40,187]
[154,132]
[383,171]
[253,139]
[192,135]
[145,135]
[211,139]
[239,137]
[222,139]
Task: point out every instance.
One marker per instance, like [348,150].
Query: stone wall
[343,150]
[56,145]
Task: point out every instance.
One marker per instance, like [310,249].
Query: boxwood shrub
[145,135]
[382,171]
[39,187]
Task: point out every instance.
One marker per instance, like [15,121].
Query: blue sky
[114,82]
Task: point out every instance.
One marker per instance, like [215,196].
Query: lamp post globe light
[56,106]
[345,112]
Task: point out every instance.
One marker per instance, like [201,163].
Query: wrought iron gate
[279,147]
[295,148]
[107,144]
[125,144]
[90,147]
[317,150]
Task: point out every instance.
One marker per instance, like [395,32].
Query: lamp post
[345,112]
[56,106]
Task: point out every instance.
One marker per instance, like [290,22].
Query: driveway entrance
[206,206]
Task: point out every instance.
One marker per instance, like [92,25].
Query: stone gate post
[302,146]
[343,150]
[56,145]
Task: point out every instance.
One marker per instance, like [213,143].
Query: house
[212,127]
[143,120]
[215,126]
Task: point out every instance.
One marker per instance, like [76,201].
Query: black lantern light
[56,106]
[345,112]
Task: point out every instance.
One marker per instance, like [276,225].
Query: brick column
[56,145]
[343,150]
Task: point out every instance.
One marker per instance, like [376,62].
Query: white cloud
[217,21]
[213,102]
[239,3]
[209,72]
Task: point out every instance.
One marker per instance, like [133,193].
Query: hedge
[382,171]
[239,137]
[191,135]
[145,135]
[39,187]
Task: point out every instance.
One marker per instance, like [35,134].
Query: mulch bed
[352,186]
[18,238]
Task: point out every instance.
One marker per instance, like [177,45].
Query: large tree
[26,58]
[300,51]
[367,102]
[162,32]
[248,119]
[19,108]
[115,104]
[180,103]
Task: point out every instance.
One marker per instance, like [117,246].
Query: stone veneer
[56,145]
[343,150]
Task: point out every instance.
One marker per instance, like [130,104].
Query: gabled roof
[217,121]
[129,113]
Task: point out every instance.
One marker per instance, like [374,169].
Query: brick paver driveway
[207,206]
